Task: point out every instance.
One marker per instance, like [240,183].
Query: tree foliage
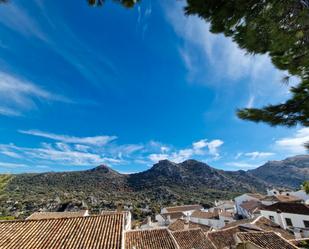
[279,28]
[306,186]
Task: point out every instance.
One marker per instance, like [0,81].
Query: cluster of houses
[279,220]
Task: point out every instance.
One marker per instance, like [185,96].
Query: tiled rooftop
[266,240]
[180,225]
[192,238]
[173,215]
[184,208]
[287,207]
[101,232]
[256,195]
[282,198]
[223,238]
[150,239]
[251,205]
[205,215]
[51,215]
[267,225]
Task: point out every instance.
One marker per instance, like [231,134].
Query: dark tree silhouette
[279,28]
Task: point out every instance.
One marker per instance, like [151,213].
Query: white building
[278,191]
[292,216]
[272,199]
[187,210]
[250,209]
[245,198]
[228,206]
[216,219]
[302,195]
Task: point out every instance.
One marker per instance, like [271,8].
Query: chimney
[119,207]
[280,219]
[186,225]
[168,219]
[149,220]
[297,233]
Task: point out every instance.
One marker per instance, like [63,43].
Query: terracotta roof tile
[179,224]
[51,215]
[267,226]
[256,195]
[282,198]
[266,240]
[251,205]
[288,207]
[184,208]
[205,215]
[150,239]
[192,238]
[102,232]
[173,215]
[223,238]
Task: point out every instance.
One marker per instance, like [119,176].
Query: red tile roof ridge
[59,218]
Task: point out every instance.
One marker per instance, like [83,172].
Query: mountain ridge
[166,183]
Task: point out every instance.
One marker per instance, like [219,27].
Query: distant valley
[165,183]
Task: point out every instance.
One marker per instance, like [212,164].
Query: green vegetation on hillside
[4,179]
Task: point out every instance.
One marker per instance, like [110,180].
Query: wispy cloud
[12,165]
[96,140]
[295,143]
[201,50]
[259,154]
[18,95]
[242,165]
[59,37]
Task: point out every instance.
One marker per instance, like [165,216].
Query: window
[306,223]
[272,218]
[288,222]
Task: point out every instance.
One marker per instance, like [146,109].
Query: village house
[302,195]
[272,199]
[292,216]
[250,209]
[216,219]
[185,224]
[279,191]
[170,214]
[239,200]
[224,205]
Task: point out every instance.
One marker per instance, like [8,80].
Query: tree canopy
[277,28]
[306,186]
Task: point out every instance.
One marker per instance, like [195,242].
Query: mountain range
[166,183]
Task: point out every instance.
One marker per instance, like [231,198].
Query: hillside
[166,183]
[290,172]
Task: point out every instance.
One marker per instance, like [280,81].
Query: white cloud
[96,140]
[294,144]
[222,57]
[20,21]
[242,165]
[258,154]
[5,111]
[12,165]
[198,148]
[18,95]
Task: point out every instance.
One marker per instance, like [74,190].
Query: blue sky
[82,86]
